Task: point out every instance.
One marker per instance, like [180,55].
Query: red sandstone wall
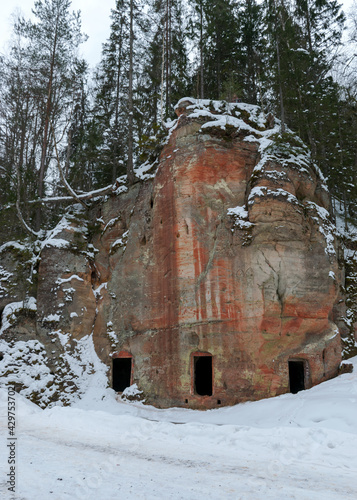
[196,285]
[185,279]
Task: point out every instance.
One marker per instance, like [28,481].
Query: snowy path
[292,447]
[189,461]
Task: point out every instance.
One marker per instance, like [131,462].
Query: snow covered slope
[291,447]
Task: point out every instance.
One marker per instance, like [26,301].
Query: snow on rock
[121,185]
[145,171]
[264,191]
[18,261]
[111,334]
[223,122]
[56,243]
[72,222]
[240,215]
[321,216]
[98,291]
[133,393]
[5,275]
[240,212]
[11,311]
[63,337]
[30,364]
[13,245]
[60,281]
[287,149]
[25,364]
[120,242]
[321,212]
[52,318]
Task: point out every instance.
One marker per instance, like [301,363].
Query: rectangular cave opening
[296,376]
[203,375]
[121,373]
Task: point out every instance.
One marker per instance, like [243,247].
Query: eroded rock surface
[227,254]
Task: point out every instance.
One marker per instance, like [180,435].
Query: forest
[66,131]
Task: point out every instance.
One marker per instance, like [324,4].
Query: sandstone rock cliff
[212,278]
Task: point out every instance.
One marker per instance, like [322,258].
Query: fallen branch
[85,196]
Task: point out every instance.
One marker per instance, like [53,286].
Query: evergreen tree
[79,157]
[165,71]
[214,30]
[251,50]
[111,91]
[322,22]
[221,46]
[49,67]
[301,63]
[197,30]
[18,143]
[117,115]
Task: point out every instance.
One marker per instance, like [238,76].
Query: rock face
[215,281]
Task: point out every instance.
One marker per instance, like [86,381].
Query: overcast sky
[95,22]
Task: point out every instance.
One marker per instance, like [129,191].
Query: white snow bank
[335,402]
[291,447]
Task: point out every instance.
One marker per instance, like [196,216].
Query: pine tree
[16,121]
[250,50]
[197,30]
[321,25]
[117,113]
[111,87]
[50,62]
[79,156]
[280,34]
[221,50]
[165,72]
[304,36]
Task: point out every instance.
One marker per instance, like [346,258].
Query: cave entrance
[122,373]
[296,376]
[203,375]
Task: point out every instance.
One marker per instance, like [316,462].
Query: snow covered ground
[299,446]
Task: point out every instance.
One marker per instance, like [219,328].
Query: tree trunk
[117,96]
[46,130]
[201,49]
[130,166]
[63,177]
[281,97]
[26,227]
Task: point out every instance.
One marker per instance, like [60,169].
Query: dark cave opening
[296,376]
[121,373]
[203,375]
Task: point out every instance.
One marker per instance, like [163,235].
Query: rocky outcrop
[214,277]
